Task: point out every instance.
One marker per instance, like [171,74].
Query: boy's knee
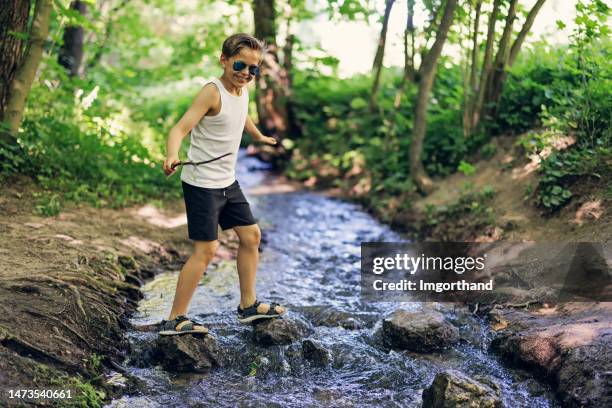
[251,237]
[206,252]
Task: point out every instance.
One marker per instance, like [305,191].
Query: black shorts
[207,208]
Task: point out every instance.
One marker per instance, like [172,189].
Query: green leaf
[358,103]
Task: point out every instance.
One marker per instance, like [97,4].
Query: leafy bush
[83,146]
[582,107]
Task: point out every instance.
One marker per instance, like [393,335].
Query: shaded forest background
[90,89]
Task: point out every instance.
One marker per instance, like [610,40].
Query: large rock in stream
[453,389]
[187,353]
[421,331]
[316,353]
[569,346]
[279,331]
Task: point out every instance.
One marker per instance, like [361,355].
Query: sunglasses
[240,65]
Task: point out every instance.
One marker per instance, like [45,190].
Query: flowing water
[310,262]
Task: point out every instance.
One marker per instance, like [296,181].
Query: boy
[216,120]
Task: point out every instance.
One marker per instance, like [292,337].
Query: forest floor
[68,284]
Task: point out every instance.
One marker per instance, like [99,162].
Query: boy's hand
[268,140]
[167,165]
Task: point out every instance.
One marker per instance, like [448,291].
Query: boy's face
[246,58]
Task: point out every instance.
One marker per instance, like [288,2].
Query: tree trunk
[71,53]
[472,89]
[408,57]
[427,73]
[21,84]
[13,18]
[273,83]
[295,130]
[474,71]
[494,85]
[380,54]
[520,38]
[487,65]
[427,32]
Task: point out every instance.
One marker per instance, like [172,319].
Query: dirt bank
[569,346]
[68,285]
[458,210]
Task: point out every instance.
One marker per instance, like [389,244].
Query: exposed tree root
[62,323]
[22,347]
[524,304]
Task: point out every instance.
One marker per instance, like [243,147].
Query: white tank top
[214,136]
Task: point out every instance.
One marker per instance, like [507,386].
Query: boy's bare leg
[190,275]
[247,260]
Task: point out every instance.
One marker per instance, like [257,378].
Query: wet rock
[187,353]
[330,316]
[422,331]
[454,389]
[314,352]
[279,331]
[569,346]
[337,318]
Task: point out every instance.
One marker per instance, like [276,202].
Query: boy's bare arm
[207,98]
[257,136]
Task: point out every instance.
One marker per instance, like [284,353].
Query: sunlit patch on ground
[157,218]
[141,244]
[555,143]
[589,210]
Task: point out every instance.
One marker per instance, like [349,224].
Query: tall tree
[493,86]
[13,27]
[71,52]
[471,87]
[22,81]
[508,57]
[487,66]
[380,54]
[273,82]
[409,49]
[427,74]
[520,38]
[493,74]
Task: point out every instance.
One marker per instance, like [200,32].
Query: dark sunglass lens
[239,65]
[253,70]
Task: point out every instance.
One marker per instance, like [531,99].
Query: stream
[310,262]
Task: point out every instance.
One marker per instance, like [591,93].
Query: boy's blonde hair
[234,43]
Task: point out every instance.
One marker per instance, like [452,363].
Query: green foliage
[529,88]
[253,369]
[335,116]
[48,205]
[87,395]
[582,107]
[83,147]
[445,146]
[98,140]
[95,363]
[470,202]
[562,169]
[466,168]
[552,194]
[487,151]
